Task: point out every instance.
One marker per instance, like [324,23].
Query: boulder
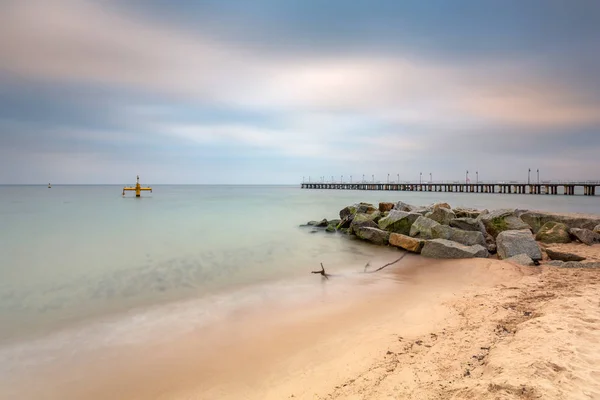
[333,225]
[585,236]
[360,208]
[468,238]
[442,248]
[362,220]
[573,264]
[441,215]
[490,243]
[468,224]
[406,242]
[441,205]
[398,221]
[322,224]
[422,227]
[466,213]
[553,232]
[502,220]
[521,259]
[512,243]
[536,219]
[373,235]
[563,255]
[402,206]
[597,229]
[344,223]
[383,207]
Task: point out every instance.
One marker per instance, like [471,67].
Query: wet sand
[422,329]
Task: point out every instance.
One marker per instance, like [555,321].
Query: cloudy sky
[269,91]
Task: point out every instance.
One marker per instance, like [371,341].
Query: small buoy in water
[49,186]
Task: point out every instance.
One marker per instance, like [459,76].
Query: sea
[86,266]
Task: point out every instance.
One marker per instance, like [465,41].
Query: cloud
[215,89]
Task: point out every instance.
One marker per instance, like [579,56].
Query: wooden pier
[564,188]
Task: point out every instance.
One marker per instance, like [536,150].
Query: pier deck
[564,188]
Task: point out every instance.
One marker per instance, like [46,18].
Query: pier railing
[508,187]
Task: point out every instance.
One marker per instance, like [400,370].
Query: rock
[360,208]
[512,243]
[441,215]
[406,242]
[597,229]
[585,236]
[422,227]
[322,224]
[331,228]
[490,243]
[347,213]
[573,264]
[373,235]
[521,259]
[362,220]
[466,213]
[442,248]
[502,220]
[468,238]
[421,210]
[441,205]
[344,223]
[563,255]
[468,224]
[311,223]
[553,232]
[383,207]
[402,206]
[398,221]
[536,219]
[334,222]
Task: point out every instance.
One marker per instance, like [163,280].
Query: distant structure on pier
[138,188]
[566,188]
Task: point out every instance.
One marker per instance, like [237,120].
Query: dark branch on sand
[322,272]
[386,265]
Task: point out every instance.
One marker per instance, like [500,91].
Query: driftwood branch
[386,265]
[322,272]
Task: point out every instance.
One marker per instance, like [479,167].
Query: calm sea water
[73,253]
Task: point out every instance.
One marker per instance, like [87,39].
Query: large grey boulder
[468,224]
[373,235]
[585,236]
[402,206]
[521,259]
[468,238]
[512,243]
[502,220]
[441,215]
[442,248]
[536,219]
[422,227]
[563,255]
[553,232]
[398,221]
[362,220]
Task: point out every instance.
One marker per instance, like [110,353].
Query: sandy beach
[422,329]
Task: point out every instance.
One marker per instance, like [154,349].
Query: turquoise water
[74,253]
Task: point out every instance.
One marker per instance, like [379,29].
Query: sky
[276,91]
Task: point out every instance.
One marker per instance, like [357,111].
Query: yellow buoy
[138,189]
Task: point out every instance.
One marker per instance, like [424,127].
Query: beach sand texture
[452,329]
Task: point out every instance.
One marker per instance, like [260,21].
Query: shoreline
[411,331]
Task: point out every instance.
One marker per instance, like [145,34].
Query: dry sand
[461,329]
